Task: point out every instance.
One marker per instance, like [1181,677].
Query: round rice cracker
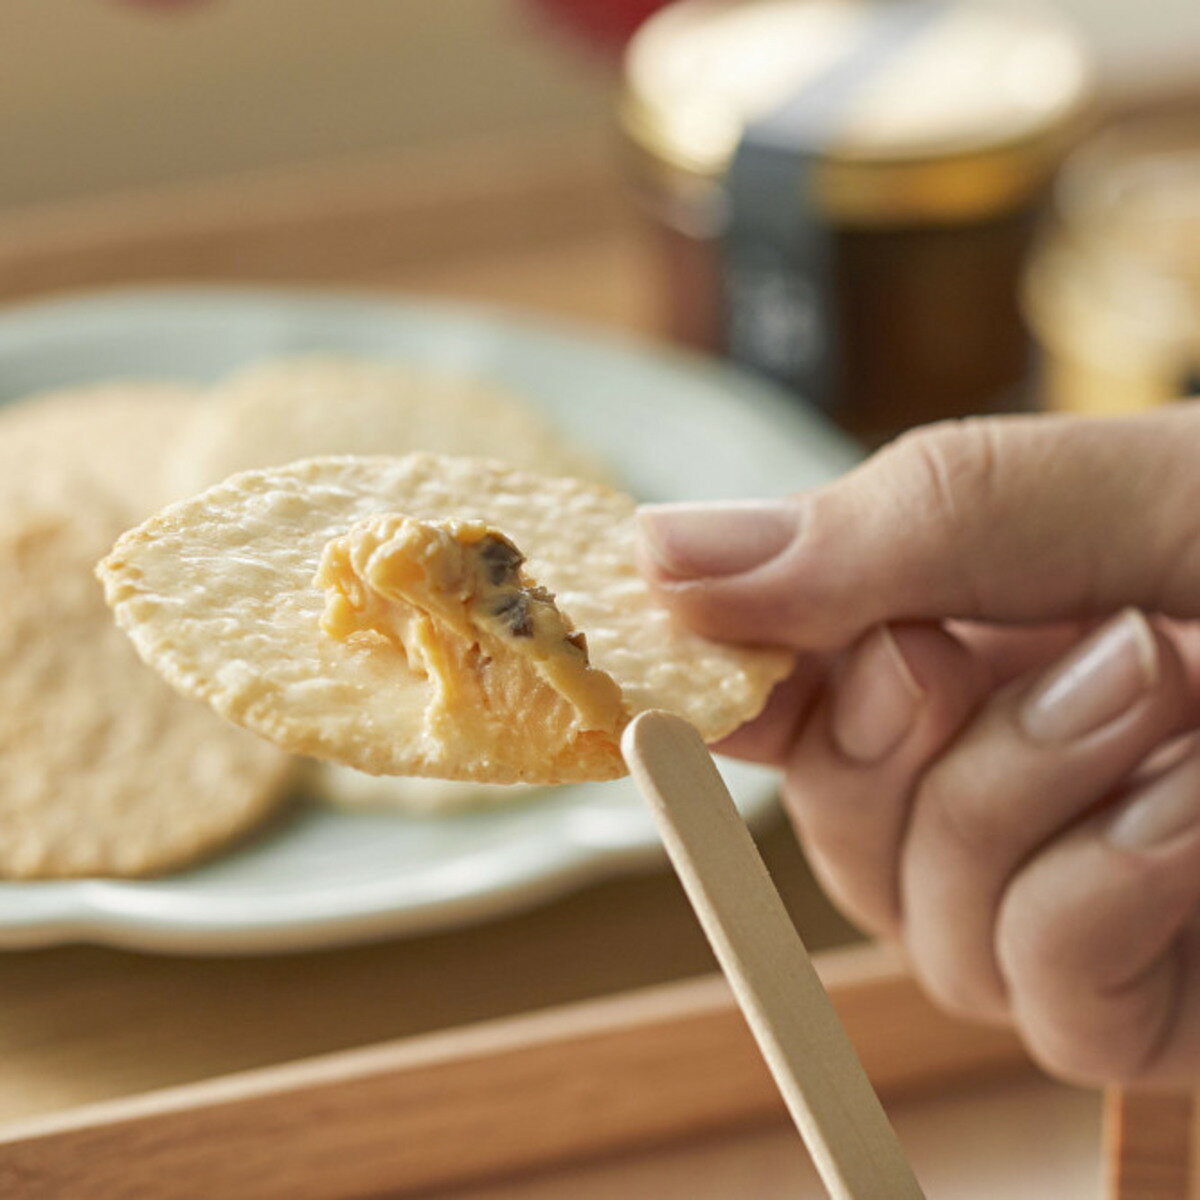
[299,407]
[218,593]
[119,435]
[104,770]
[293,408]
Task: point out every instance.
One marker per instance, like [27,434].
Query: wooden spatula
[823,1083]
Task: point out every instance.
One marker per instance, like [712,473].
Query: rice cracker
[117,435]
[293,408]
[301,406]
[412,795]
[390,664]
[104,770]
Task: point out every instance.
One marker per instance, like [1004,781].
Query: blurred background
[473,149]
[100,95]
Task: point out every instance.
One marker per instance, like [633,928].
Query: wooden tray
[405,1116]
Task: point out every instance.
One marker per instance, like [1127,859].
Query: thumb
[1017,519]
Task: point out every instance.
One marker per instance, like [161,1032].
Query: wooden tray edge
[496,1097]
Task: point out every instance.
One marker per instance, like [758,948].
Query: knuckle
[949,469]
[804,595]
[1029,948]
[961,818]
[1040,947]
[1071,1025]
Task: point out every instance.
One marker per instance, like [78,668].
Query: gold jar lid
[960,119]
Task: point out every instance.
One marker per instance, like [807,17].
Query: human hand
[982,743]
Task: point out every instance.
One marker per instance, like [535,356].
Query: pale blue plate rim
[640,403]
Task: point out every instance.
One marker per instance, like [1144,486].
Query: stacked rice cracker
[104,769]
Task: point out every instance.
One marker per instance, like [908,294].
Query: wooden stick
[1148,1144]
[814,1065]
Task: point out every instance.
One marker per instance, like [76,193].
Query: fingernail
[876,701]
[1166,757]
[1102,677]
[689,541]
[1160,811]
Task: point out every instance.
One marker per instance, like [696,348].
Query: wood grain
[1148,1144]
[343,221]
[1007,1140]
[502,1096]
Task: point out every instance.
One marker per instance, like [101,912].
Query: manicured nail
[1162,810]
[1167,756]
[876,701]
[1103,677]
[690,541]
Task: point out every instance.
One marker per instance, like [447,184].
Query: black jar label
[780,271]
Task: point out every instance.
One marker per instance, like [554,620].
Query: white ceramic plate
[675,426]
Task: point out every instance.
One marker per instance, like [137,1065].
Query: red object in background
[603,24]
[165,4]
[606,24]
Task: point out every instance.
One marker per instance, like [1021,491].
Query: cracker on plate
[411,794]
[104,770]
[117,435]
[219,593]
[294,408]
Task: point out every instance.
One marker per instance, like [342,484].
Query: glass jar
[1113,293]
[843,192]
